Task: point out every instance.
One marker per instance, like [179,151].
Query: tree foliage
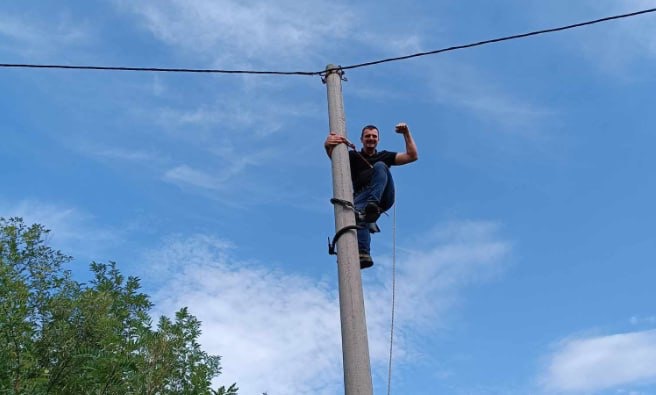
[59,336]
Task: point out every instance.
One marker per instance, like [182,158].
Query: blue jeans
[381,191]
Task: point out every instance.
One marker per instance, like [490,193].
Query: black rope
[343,203]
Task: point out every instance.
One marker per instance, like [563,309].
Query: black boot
[365,260]
[371,212]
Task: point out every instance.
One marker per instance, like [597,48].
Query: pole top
[332,69]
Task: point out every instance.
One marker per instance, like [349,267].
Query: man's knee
[381,169]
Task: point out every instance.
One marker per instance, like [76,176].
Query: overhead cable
[496,40]
[154,69]
[314,73]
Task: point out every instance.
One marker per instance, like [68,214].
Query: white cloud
[72,231]
[451,257]
[127,155]
[232,166]
[279,332]
[460,85]
[246,114]
[624,42]
[275,332]
[643,320]
[38,37]
[240,34]
[185,175]
[390,42]
[16,29]
[600,363]
[612,46]
[232,30]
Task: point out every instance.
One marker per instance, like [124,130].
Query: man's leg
[372,201]
[364,238]
[379,180]
[364,235]
[386,200]
[381,193]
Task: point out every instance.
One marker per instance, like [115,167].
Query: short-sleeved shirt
[361,171]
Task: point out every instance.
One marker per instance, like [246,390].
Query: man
[373,186]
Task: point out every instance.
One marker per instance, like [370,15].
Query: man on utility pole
[373,185]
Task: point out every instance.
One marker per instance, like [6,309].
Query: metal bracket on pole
[337,70]
[348,205]
[333,244]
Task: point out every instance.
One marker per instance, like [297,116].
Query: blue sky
[525,232]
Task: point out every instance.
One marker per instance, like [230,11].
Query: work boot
[371,212]
[365,260]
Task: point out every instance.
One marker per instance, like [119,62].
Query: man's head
[369,138]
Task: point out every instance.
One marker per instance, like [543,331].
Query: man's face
[369,139]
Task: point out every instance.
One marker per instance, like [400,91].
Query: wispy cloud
[233,164]
[623,43]
[443,262]
[593,364]
[236,33]
[39,36]
[244,115]
[469,89]
[73,231]
[298,34]
[613,47]
[279,332]
[125,155]
[185,175]
[632,43]
[643,320]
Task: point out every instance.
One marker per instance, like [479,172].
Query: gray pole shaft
[355,346]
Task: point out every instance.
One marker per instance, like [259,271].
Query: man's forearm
[410,146]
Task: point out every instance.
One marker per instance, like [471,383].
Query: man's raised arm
[410,154]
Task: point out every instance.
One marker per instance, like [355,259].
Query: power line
[154,69]
[496,40]
[314,73]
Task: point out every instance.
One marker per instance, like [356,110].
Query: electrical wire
[496,40]
[154,69]
[315,73]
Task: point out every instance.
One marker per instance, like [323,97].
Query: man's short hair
[369,127]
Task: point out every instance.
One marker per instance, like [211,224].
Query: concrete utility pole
[355,346]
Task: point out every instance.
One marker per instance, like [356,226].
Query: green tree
[59,336]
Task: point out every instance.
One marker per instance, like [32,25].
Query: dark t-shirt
[361,171]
